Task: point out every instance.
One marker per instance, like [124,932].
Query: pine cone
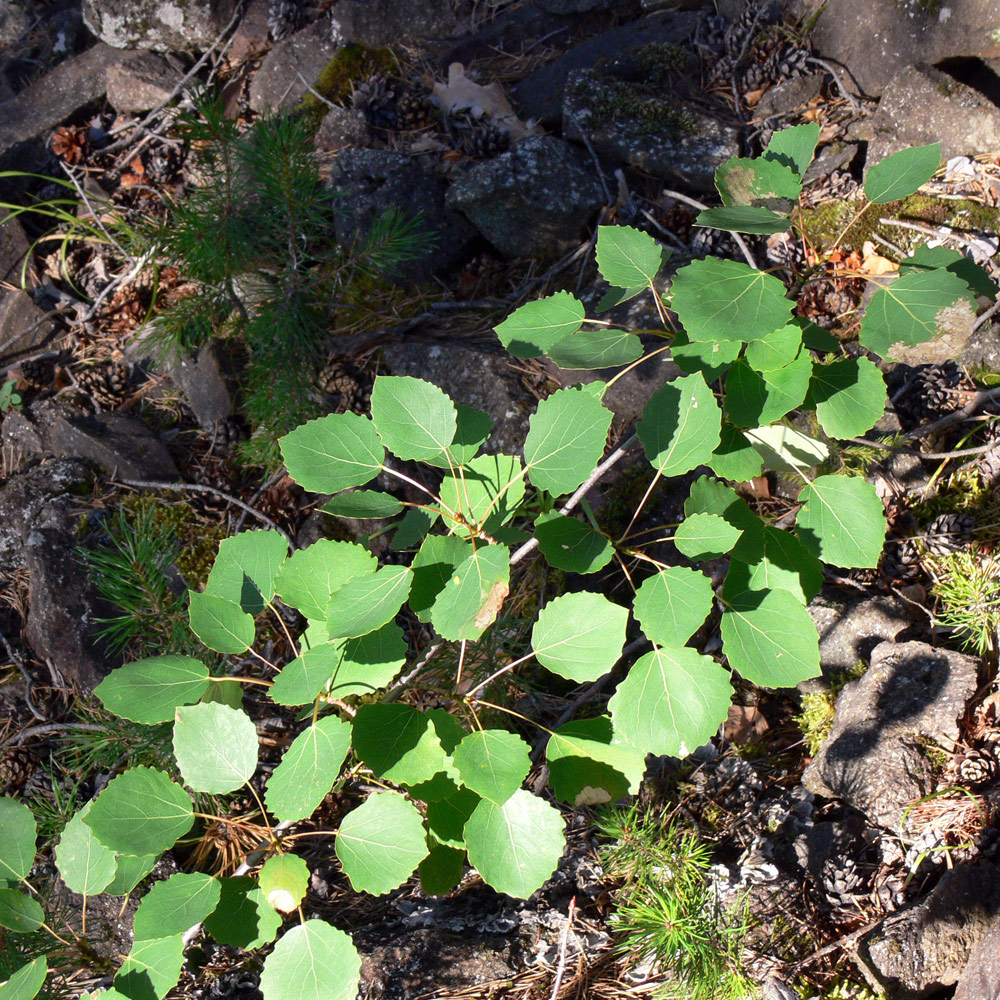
[17,765]
[929,392]
[948,532]
[787,62]
[484,141]
[69,143]
[784,250]
[282,19]
[900,559]
[349,386]
[988,464]
[38,373]
[978,768]
[377,101]
[842,880]
[106,385]
[413,108]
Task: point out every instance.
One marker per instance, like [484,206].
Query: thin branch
[48,727]
[400,686]
[950,419]
[563,942]
[18,662]
[943,233]
[957,453]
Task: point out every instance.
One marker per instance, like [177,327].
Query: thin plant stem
[516,715]
[499,673]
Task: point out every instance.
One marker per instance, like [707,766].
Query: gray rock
[651,128]
[921,105]
[870,760]
[926,947]
[983,349]
[473,376]
[577,6]
[850,627]
[60,93]
[142,80]
[24,328]
[540,94]
[981,975]
[876,40]
[14,247]
[341,128]
[14,22]
[789,96]
[208,381]
[251,38]
[536,200]
[176,26]
[387,22]
[373,182]
[291,67]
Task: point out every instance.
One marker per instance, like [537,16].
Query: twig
[842,942]
[980,320]
[400,686]
[563,942]
[612,459]
[70,173]
[939,234]
[957,453]
[832,70]
[314,92]
[957,417]
[155,484]
[702,207]
[582,129]
[49,727]
[265,486]
[19,663]
[115,283]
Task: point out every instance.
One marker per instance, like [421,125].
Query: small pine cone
[17,765]
[282,18]
[948,532]
[784,250]
[900,559]
[485,141]
[413,109]
[755,76]
[349,387]
[978,768]
[105,385]
[988,464]
[842,879]
[38,373]
[377,101]
[69,143]
[929,392]
[787,62]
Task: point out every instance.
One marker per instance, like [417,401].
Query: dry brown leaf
[492,605]
[460,92]
[875,263]
[743,724]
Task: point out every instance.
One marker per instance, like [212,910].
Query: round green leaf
[308,579]
[566,437]
[763,653]
[313,961]
[447,816]
[441,870]
[368,662]
[26,982]
[471,600]
[787,565]
[709,496]
[220,624]
[571,544]
[243,917]
[140,812]
[130,870]
[902,173]
[680,426]
[705,536]
[493,763]
[471,430]
[85,864]
[842,521]
[627,257]
[414,418]
[284,880]
[19,912]
[533,328]
[601,348]
[515,846]
[762,182]
[17,839]
[175,905]
[433,566]
[794,146]
[785,449]
[215,747]
[381,842]
[710,357]
[756,398]
[152,968]
[332,453]
[149,690]
[490,483]
[366,603]
[671,702]
[246,567]
[672,605]
[363,504]
[579,636]
[586,767]
[735,458]
[777,349]
[308,769]
[398,743]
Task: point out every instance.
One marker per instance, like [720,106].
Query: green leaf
[602,348]
[130,870]
[725,300]
[785,449]
[472,429]
[302,680]
[415,419]
[366,603]
[794,147]
[566,437]
[246,567]
[473,490]
[671,702]
[842,521]
[672,605]
[223,691]
[902,173]
[926,258]
[761,183]
[709,496]
[140,812]
[368,662]
[579,636]
[398,743]
[362,504]
[20,913]
[572,545]
[313,961]
[710,358]
[381,843]
[152,968]
[762,653]
[705,536]
[787,565]
[17,839]
[916,307]
[777,349]
[493,763]
[215,747]
[433,566]
[441,870]
[175,905]
[753,219]
[220,624]
[756,398]
[149,690]
[627,258]
[447,816]
[815,337]
[470,601]
[332,453]
[243,917]
[308,579]
[583,762]
[735,457]
[515,846]
[848,395]
[26,982]
[680,426]
[85,864]
[533,328]
[284,880]
[308,769]
[412,529]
